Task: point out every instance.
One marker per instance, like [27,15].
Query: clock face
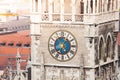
[62,45]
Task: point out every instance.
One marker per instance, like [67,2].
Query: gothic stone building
[74,39]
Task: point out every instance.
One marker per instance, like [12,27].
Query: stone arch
[79,7]
[109,46]
[101,48]
[108,5]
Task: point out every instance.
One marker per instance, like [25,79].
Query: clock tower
[74,39]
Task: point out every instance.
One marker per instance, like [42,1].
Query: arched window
[108,5]
[36,5]
[113,4]
[100,7]
[104,5]
[67,6]
[56,6]
[79,6]
[116,4]
[113,68]
[101,50]
[67,10]
[56,10]
[96,52]
[109,47]
[87,7]
[96,6]
[96,73]
[44,6]
[91,6]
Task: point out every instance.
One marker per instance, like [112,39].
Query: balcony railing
[45,17]
[79,17]
[57,17]
[97,18]
[67,17]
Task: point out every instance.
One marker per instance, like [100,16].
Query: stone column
[73,10]
[42,67]
[100,6]
[40,8]
[85,6]
[18,61]
[33,6]
[114,5]
[81,71]
[97,6]
[39,5]
[94,6]
[117,5]
[62,10]
[62,75]
[50,9]
[111,5]
[89,10]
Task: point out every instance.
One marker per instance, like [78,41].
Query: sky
[7,1]
[18,6]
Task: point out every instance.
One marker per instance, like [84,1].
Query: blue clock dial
[62,45]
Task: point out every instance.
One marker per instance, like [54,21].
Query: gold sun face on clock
[62,45]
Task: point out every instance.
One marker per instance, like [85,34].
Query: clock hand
[65,39]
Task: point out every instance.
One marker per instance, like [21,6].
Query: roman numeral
[62,57]
[62,33]
[71,40]
[57,35]
[73,46]
[52,51]
[68,56]
[51,45]
[71,51]
[52,39]
[57,55]
[67,35]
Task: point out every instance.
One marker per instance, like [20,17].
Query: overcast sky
[21,6]
[14,5]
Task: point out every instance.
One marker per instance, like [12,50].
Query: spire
[18,53]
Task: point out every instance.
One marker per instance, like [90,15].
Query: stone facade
[94,25]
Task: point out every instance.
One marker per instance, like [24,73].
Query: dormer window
[18,44]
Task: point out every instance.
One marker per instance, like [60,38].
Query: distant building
[14,33]
[74,40]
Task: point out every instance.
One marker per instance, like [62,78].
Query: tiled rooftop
[7,51]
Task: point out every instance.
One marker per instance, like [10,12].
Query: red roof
[10,51]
